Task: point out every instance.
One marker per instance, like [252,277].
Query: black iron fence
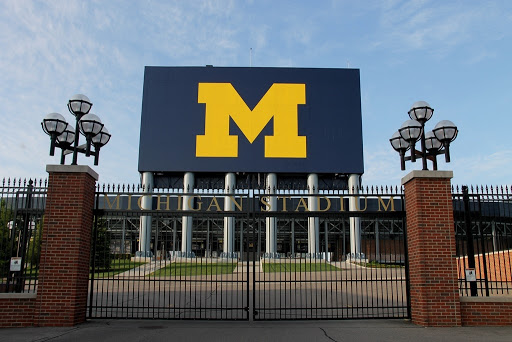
[22,206]
[339,281]
[165,285]
[483,230]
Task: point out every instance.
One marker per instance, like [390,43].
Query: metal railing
[249,283]
[483,231]
[22,206]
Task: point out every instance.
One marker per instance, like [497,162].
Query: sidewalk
[296,331]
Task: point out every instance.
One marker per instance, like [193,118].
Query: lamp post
[67,137]
[433,143]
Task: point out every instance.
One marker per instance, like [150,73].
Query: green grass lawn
[31,271]
[298,267]
[193,269]
[116,267]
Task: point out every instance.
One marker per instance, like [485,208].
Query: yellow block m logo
[223,101]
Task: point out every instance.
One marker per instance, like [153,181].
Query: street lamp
[67,137]
[433,143]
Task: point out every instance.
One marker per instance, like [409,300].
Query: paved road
[328,331]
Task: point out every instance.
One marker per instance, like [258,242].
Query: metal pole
[75,144]
[174,233]
[241,240]
[326,229]
[355,222]
[208,249]
[186,234]
[313,222]
[271,243]
[423,148]
[293,238]
[494,237]
[156,240]
[229,222]
[469,236]
[377,241]
[145,221]
[123,238]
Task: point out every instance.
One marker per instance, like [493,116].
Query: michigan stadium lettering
[216,203]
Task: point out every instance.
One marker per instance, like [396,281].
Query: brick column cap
[72,169]
[426,174]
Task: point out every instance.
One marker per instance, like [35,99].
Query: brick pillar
[66,245]
[434,294]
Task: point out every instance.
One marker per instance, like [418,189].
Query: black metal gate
[22,207]
[334,283]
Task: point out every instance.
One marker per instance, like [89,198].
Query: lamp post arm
[96,154]
[447,152]
[75,145]
[423,148]
[402,159]
[413,152]
[63,157]
[53,143]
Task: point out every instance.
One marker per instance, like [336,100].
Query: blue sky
[456,55]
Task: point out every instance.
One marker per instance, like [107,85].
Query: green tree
[102,256]
[34,245]
[5,244]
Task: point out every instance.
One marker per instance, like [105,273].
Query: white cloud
[437,27]
[478,169]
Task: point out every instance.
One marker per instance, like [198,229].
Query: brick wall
[431,244]
[17,309]
[66,244]
[486,311]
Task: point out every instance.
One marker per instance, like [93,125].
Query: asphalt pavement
[226,331]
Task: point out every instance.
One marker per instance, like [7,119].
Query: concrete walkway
[142,270]
[296,331]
